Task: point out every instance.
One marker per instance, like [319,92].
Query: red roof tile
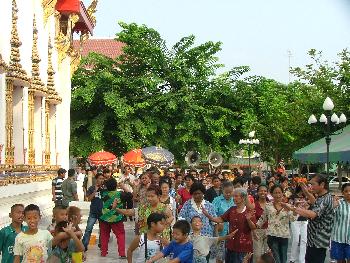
[106,46]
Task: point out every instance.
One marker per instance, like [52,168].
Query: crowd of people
[186,216]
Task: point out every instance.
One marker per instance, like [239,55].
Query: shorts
[340,251]
[220,250]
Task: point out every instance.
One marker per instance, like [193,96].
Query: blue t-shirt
[184,252]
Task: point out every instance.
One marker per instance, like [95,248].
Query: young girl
[340,245]
[34,243]
[150,243]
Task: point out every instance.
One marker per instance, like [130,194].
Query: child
[59,214]
[111,219]
[148,244]
[74,217]
[340,242]
[65,243]
[180,249]
[32,244]
[202,244]
[8,234]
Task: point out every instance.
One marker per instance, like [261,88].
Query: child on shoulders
[65,244]
[59,214]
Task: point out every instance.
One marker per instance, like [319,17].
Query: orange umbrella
[102,158]
[134,158]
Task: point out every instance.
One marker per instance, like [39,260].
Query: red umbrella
[102,158]
[134,158]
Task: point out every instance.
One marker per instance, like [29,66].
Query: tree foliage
[172,96]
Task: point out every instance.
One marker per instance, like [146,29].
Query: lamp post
[250,142]
[330,121]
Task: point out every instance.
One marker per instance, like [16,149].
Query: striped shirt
[319,229]
[341,227]
[57,184]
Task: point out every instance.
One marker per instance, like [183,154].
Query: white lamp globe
[342,118]
[323,118]
[334,118]
[328,104]
[312,119]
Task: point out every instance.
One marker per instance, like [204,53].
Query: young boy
[8,234]
[148,244]
[111,219]
[180,249]
[34,243]
[59,214]
[202,244]
[65,244]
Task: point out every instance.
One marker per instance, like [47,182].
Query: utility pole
[289,64]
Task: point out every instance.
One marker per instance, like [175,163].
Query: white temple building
[37,60]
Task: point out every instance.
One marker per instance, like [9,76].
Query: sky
[256,33]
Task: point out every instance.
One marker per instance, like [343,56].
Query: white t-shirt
[153,247]
[202,244]
[33,248]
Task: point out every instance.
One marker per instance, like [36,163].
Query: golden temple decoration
[31,151]
[47,133]
[36,84]
[92,10]
[15,70]
[52,93]
[48,8]
[9,148]
[3,65]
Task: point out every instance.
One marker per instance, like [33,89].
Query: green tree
[152,95]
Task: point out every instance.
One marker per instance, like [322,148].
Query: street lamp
[330,121]
[251,141]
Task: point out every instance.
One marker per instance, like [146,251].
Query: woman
[221,204]
[241,218]
[259,236]
[183,194]
[166,199]
[153,205]
[194,206]
[299,227]
[139,194]
[278,228]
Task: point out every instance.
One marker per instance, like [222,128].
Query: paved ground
[93,254]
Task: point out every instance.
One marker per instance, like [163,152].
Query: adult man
[93,195]
[57,186]
[69,189]
[320,219]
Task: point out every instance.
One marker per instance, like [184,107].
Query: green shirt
[108,214]
[69,189]
[7,241]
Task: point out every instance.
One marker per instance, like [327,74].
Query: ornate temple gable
[72,16]
[15,69]
[48,8]
[52,96]
[37,85]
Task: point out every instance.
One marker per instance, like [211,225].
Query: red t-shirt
[242,241]
[185,195]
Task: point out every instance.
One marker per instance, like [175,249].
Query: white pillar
[2,117]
